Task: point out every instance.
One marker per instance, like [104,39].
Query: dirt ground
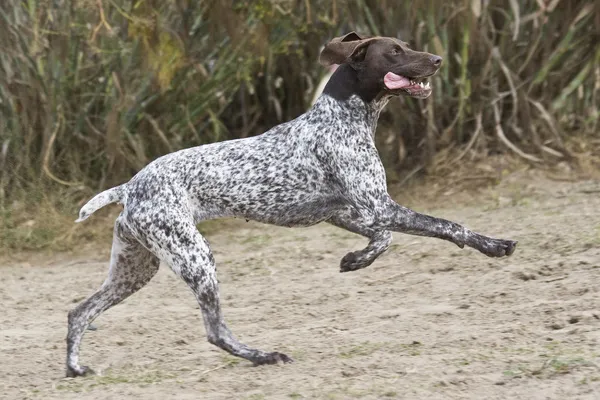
[426,321]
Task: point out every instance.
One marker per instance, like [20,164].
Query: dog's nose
[436,60]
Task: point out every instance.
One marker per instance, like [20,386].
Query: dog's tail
[109,196]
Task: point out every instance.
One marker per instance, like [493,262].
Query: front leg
[361,179]
[379,243]
[397,218]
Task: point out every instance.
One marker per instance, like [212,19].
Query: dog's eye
[396,51]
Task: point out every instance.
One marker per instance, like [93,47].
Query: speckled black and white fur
[321,167]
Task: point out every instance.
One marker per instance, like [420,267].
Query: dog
[320,167]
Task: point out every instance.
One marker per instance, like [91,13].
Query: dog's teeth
[427,85]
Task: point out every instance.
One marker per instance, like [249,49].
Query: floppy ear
[343,49]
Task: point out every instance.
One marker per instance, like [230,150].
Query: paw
[274,358]
[354,261]
[73,372]
[498,247]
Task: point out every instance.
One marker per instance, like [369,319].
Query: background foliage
[93,90]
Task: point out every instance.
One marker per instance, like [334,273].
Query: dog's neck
[345,83]
[362,101]
[345,95]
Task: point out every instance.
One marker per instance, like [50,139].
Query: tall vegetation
[92,90]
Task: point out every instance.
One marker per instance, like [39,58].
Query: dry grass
[45,221]
[91,91]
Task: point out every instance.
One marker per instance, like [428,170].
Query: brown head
[377,66]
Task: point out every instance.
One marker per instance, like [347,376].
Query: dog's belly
[301,209]
[301,214]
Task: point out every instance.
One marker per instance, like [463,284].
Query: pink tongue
[393,81]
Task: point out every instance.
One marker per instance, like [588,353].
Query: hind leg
[189,256]
[131,267]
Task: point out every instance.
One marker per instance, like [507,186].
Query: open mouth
[414,87]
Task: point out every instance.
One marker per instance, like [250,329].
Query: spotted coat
[320,167]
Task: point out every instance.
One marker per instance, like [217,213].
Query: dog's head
[383,65]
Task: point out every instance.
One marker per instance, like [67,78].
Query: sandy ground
[426,321]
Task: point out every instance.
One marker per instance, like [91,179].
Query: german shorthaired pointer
[321,167]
